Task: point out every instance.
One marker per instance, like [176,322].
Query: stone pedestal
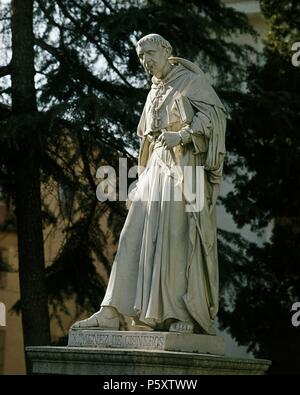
[168,341]
[105,361]
[95,352]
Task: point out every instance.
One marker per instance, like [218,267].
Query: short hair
[156,39]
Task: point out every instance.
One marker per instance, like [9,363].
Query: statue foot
[182,327]
[140,326]
[106,319]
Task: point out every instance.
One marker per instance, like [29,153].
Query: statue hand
[169,139]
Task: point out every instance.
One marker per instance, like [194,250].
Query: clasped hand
[169,139]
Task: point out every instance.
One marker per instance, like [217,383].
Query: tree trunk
[34,302]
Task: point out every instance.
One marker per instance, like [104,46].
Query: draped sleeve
[208,125]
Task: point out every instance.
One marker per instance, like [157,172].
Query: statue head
[153,52]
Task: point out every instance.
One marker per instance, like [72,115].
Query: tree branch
[103,86]
[50,17]
[49,48]
[91,39]
[94,15]
[85,160]
[5,70]
[107,5]
[6,90]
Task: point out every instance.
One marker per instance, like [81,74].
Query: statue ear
[169,52]
[166,51]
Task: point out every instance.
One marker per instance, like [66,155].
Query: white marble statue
[165,273]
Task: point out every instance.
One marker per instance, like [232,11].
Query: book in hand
[185,109]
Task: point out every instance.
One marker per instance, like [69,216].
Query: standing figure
[165,273]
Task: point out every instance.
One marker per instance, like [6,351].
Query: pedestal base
[96,352]
[105,361]
[168,341]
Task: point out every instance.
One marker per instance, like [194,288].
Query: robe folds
[166,265]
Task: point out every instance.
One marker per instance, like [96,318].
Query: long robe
[166,266]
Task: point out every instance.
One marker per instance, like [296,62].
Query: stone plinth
[155,341]
[114,361]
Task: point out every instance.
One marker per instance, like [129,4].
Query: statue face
[153,57]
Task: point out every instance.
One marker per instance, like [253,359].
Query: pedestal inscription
[147,341]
